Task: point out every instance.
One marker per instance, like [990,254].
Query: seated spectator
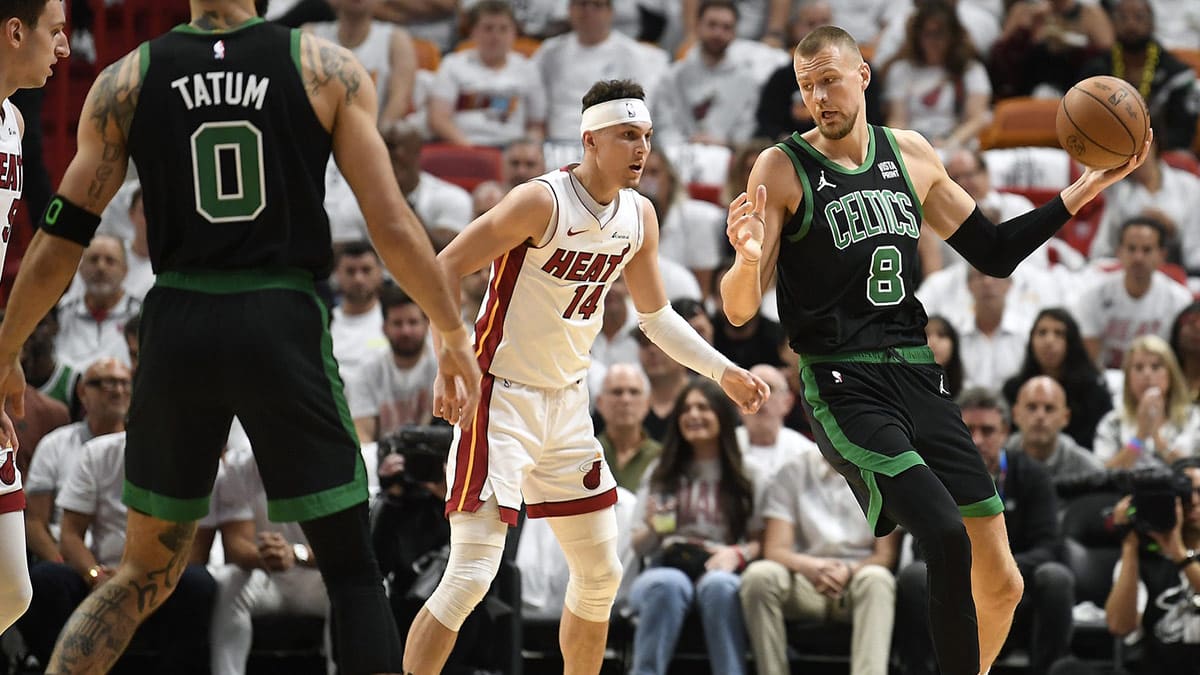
[1156,583]
[694,313]
[943,340]
[691,231]
[1134,301]
[781,108]
[765,443]
[42,413]
[384,48]
[1185,342]
[434,21]
[993,341]
[710,95]
[616,342]
[269,570]
[755,341]
[761,20]
[486,195]
[1055,349]
[1041,414]
[1045,44]
[1156,190]
[356,324]
[89,326]
[488,94]
[936,85]
[1167,84]
[668,379]
[524,159]
[1156,423]
[982,27]
[43,369]
[1043,618]
[104,394]
[820,562]
[139,279]
[92,509]
[395,387]
[591,51]
[623,404]
[693,520]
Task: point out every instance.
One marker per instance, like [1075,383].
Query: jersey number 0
[227,171]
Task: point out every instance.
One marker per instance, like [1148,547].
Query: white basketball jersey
[12,177]
[374,53]
[545,302]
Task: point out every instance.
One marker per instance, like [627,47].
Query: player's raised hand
[744,225]
[1094,181]
[456,389]
[745,388]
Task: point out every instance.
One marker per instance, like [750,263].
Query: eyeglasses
[108,383]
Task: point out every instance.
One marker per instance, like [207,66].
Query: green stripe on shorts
[161,506]
[323,503]
[223,282]
[988,507]
[921,355]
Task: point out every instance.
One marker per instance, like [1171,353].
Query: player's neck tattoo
[215,20]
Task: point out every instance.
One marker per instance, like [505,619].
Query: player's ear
[13,31]
[589,140]
[864,70]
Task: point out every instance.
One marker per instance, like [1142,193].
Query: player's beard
[841,131]
[407,348]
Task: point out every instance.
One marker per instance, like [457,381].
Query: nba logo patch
[219,50]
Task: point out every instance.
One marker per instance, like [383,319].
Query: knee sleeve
[476,547]
[589,542]
[16,591]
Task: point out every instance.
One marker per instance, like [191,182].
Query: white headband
[619,111]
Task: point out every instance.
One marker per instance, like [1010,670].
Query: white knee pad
[589,542]
[476,546]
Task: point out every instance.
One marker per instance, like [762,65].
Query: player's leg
[995,582]
[476,548]
[156,551]
[16,592]
[589,543]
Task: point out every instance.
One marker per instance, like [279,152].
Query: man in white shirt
[356,325]
[711,94]
[820,562]
[395,387]
[104,394]
[766,444]
[1138,300]
[992,343]
[90,326]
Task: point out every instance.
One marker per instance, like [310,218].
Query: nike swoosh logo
[572,233]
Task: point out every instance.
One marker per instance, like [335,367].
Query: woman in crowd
[943,340]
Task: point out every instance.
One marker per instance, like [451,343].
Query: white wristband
[681,342]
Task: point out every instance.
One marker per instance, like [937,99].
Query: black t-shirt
[1171,620]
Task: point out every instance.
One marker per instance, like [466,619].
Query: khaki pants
[770,594]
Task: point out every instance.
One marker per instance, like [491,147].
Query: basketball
[1102,122]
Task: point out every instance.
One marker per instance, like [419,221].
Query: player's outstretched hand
[456,389]
[1098,179]
[746,389]
[745,224]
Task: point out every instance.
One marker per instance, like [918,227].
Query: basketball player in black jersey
[231,122]
[835,218]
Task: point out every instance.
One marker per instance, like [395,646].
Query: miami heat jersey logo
[8,468]
[591,474]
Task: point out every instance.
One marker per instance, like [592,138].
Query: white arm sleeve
[681,342]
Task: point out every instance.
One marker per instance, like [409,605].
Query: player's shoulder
[911,143]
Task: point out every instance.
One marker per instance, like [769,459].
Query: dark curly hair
[611,90]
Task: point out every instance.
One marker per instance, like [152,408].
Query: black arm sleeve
[996,250]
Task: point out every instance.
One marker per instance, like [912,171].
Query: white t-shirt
[356,338]
[1178,198]
[491,106]
[808,493]
[929,94]
[396,396]
[1178,24]
[82,339]
[238,494]
[863,19]
[1106,311]
[139,278]
[990,360]
[678,281]
[568,69]
[374,52]
[94,488]
[1113,431]
[437,203]
[691,234]
[57,454]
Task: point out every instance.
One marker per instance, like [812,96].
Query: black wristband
[64,219]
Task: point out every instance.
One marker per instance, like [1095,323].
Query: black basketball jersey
[848,258]
[230,153]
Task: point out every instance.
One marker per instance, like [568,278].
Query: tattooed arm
[90,182]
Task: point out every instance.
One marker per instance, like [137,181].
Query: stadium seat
[705,192]
[1079,231]
[429,57]
[465,166]
[1182,159]
[1021,121]
[1190,57]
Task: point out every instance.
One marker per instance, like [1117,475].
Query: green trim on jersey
[904,170]
[143,60]
[987,507]
[320,504]
[918,355]
[806,223]
[189,28]
[164,507]
[868,461]
[297,35]
[222,282]
[868,161]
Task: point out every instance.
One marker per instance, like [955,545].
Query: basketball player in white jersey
[555,244]
[32,41]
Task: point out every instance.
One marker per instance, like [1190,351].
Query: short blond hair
[826,36]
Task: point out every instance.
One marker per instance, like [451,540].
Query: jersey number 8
[885,286]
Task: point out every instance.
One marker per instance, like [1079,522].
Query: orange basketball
[1102,122]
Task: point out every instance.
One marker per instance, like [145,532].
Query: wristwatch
[301,553]
[1191,557]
